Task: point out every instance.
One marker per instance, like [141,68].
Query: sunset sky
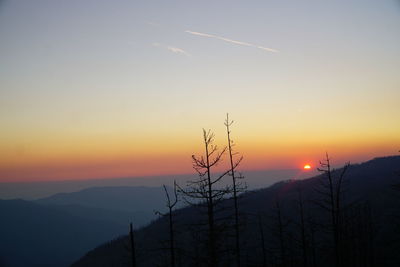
[95,88]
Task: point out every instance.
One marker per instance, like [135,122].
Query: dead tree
[302,225]
[279,232]
[132,241]
[171,203]
[332,193]
[206,191]
[262,240]
[312,227]
[281,228]
[358,241]
[237,186]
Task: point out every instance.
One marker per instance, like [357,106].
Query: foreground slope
[57,230]
[369,198]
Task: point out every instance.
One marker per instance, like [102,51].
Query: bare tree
[281,232]
[358,236]
[237,186]
[312,227]
[206,190]
[302,224]
[332,192]
[262,240]
[171,203]
[278,227]
[132,241]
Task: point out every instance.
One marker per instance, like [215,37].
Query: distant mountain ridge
[123,198]
[44,189]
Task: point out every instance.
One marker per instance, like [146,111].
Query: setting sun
[307,167]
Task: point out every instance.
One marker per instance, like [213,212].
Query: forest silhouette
[342,217]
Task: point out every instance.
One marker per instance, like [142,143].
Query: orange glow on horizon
[307,167]
[77,158]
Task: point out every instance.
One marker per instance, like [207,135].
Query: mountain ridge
[368,183]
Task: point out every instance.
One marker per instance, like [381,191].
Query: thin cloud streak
[201,34]
[232,41]
[175,50]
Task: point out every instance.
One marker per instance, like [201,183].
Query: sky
[98,89]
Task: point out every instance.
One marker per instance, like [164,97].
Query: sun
[307,167]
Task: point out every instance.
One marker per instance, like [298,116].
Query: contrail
[178,50]
[232,41]
[173,49]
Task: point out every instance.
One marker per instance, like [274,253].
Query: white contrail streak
[232,41]
[178,50]
[201,34]
[173,49]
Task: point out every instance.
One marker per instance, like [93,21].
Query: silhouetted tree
[394,217]
[332,193]
[312,229]
[236,185]
[302,225]
[279,232]
[132,241]
[262,240]
[171,203]
[358,236]
[205,191]
[281,228]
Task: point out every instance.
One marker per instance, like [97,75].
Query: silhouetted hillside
[57,230]
[369,225]
[37,235]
